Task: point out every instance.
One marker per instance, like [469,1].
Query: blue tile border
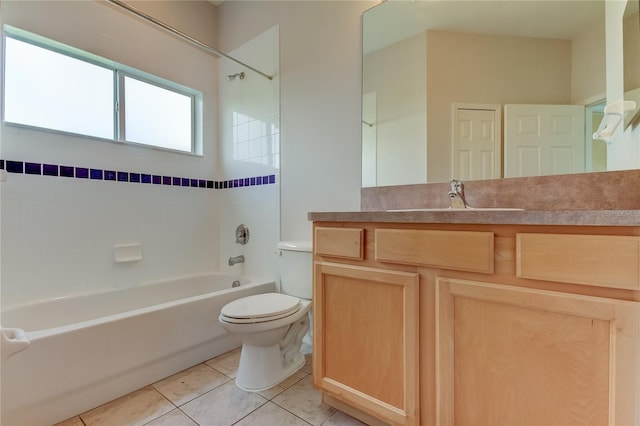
[67,171]
[96,174]
[55,170]
[82,172]
[50,169]
[33,168]
[15,166]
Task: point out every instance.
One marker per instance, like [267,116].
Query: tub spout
[236,259]
[14,340]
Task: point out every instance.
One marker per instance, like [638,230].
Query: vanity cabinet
[369,332]
[446,324]
[514,356]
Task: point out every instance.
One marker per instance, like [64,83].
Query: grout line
[229,379]
[266,401]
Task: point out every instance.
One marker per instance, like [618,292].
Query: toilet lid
[261,307]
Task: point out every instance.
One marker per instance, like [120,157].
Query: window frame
[120,71]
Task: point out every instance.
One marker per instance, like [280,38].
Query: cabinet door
[517,356]
[366,339]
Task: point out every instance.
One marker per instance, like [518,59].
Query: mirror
[631,54]
[441,74]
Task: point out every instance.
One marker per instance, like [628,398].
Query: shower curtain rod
[184,36]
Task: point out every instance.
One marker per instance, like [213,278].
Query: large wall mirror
[482,89]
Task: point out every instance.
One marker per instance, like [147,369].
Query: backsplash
[586,191]
[45,169]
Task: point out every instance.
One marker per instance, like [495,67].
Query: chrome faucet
[456,195]
[236,259]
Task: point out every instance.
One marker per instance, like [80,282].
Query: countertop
[512,217]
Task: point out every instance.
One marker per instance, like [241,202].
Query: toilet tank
[295,260]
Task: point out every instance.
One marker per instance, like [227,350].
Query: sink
[469,209]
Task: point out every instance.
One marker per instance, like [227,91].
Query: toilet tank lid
[295,245]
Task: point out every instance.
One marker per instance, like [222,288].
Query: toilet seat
[260,308]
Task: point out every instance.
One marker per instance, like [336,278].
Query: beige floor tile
[303,400]
[342,419]
[307,364]
[222,406]
[284,385]
[271,414]
[73,421]
[173,418]
[226,363]
[136,408]
[191,383]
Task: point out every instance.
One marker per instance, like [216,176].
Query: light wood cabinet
[451,324]
[601,260]
[519,356]
[366,351]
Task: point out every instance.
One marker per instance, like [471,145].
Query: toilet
[271,326]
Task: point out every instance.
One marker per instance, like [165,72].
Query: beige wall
[197,19]
[631,48]
[488,69]
[588,70]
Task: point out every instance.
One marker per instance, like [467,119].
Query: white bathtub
[87,350]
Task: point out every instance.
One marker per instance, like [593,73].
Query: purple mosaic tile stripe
[82,173]
[45,169]
[50,169]
[96,174]
[33,168]
[15,166]
[67,171]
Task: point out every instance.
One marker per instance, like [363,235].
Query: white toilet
[271,325]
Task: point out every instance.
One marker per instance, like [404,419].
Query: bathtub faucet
[237,259]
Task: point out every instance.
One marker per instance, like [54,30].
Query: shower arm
[184,36]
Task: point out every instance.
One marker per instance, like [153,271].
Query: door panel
[544,140]
[476,142]
[365,339]
[518,356]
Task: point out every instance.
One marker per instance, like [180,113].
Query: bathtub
[86,350]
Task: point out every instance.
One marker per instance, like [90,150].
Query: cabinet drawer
[600,260]
[459,250]
[346,243]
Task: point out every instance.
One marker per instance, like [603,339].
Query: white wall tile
[249,111]
[57,234]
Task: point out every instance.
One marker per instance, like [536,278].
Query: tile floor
[207,395]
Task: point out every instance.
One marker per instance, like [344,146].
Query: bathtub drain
[236,283]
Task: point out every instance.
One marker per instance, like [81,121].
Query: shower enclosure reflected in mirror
[463,89]
[631,49]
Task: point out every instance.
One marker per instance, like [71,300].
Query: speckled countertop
[514,217]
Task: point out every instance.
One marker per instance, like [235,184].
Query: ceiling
[395,20]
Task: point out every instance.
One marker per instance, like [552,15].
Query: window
[157,116]
[54,91]
[52,86]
